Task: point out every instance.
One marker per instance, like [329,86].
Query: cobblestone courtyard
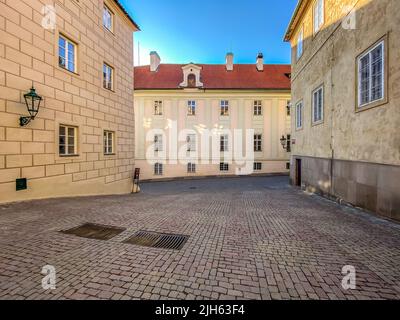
[250,238]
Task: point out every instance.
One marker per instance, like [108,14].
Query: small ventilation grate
[158,240]
[95,231]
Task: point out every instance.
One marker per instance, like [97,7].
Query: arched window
[191,80]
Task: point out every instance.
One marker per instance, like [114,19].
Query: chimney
[260,62]
[229,61]
[155,61]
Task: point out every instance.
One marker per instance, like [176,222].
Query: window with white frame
[257,166]
[158,169]
[108,18]
[158,143]
[108,77]
[68,138]
[224,140]
[191,108]
[191,168]
[300,40]
[224,108]
[371,75]
[318,105]
[158,108]
[67,56]
[299,115]
[257,107]
[191,142]
[319,15]
[108,142]
[223,166]
[257,142]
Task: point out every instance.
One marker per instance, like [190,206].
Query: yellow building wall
[29,53]
[354,155]
[329,58]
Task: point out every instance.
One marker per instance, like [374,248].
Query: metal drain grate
[158,240]
[95,231]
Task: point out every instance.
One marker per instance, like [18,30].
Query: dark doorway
[298,172]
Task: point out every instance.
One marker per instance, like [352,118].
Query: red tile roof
[243,76]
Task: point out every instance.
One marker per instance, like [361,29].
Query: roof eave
[293,21]
[127,15]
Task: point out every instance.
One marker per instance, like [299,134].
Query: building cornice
[297,15]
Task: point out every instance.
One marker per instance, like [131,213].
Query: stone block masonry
[29,53]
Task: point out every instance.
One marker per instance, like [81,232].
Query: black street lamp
[32,101]
[284,142]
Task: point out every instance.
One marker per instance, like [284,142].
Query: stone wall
[29,53]
[371,186]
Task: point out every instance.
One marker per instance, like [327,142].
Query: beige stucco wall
[273,123]
[330,58]
[354,155]
[28,52]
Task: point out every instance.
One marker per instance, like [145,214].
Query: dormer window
[191,80]
[191,76]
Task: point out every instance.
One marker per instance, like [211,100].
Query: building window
[108,77]
[67,54]
[191,108]
[257,142]
[223,166]
[158,108]
[191,142]
[224,108]
[68,141]
[319,15]
[191,168]
[158,169]
[224,140]
[299,115]
[371,76]
[108,18]
[287,165]
[109,142]
[258,108]
[257,166]
[318,105]
[158,143]
[300,40]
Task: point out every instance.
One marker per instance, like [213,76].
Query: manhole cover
[158,240]
[193,188]
[95,231]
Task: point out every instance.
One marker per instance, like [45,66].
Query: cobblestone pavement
[250,238]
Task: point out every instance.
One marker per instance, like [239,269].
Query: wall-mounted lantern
[286,143]
[32,101]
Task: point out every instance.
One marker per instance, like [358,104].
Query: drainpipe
[332,116]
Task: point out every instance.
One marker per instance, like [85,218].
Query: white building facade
[208,120]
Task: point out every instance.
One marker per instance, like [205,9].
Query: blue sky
[203,31]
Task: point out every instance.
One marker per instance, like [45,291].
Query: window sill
[317,123]
[69,155]
[371,105]
[109,31]
[68,71]
[108,90]
[109,154]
